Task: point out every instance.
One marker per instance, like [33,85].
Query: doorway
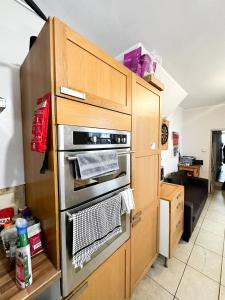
[217,159]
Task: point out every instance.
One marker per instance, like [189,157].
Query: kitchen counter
[44,274]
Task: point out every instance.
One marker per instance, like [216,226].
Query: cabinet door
[145,181]
[145,117]
[110,281]
[144,243]
[90,74]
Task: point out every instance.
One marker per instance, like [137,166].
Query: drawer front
[74,113]
[85,73]
[177,228]
[177,205]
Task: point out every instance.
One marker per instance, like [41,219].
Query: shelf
[44,274]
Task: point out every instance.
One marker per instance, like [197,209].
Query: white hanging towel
[127,201]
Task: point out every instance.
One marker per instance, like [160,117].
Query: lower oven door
[71,277]
[74,192]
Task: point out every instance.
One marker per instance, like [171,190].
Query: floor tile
[215,216]
[204,211]
[200,220]
[219,197]
[194,234]
[222,293]
[206,262]
[197,286]
[223,274]
[208,202]
[168,278]
[210,241]
[217,207]
[150,290]
[214,227]
[183,250]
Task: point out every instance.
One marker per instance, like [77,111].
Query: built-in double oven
[76,195]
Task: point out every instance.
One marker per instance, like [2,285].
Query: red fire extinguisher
[40,127]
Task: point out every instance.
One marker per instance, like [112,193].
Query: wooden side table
[171,218]
[195,169]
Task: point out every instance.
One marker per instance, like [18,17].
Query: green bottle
[23,256]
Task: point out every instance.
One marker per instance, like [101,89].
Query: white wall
[169,162]
[173,93]
[17,24]
[198,124]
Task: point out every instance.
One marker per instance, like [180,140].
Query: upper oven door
[73,192]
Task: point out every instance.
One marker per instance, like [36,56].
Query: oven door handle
[119,153]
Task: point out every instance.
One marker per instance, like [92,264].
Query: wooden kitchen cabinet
[171,218]
[145,117]
[61,57]
[144,242]
[145,181]
[91,75]
[145,177]
[111,281]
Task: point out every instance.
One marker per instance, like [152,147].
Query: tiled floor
[197,270]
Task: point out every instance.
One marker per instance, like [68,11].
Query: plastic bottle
[9,237]
[23,257]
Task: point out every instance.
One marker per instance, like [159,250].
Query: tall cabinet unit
[145,177]
[89,88]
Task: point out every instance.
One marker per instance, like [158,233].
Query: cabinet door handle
[138,214]
[136,221]
[73,93]
[79,291]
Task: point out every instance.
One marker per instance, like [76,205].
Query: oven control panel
[98,138]
[79,138]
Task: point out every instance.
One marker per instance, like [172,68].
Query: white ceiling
[189,35]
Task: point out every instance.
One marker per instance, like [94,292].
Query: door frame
[210,157]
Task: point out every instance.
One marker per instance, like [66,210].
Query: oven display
[96,138]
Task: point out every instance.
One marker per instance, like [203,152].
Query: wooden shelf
[44,274]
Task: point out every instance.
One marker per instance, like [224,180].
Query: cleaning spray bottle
[23,256]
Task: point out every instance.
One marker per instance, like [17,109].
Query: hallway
[197,270]
[222,174]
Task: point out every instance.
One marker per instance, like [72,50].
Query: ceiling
[189,35]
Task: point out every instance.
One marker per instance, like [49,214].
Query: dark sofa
[195,196]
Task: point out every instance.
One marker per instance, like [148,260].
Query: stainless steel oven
[76,195]
[73,140]
[71,277]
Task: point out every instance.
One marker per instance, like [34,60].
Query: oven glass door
[73,277]
[73,192]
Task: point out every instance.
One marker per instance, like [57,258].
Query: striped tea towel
[94,164]
[94,226]
[127,200]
